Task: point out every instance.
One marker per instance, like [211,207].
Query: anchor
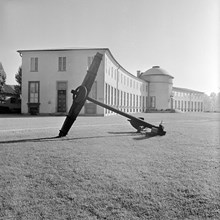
[80,95]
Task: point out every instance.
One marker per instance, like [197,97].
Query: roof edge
[187,90]
[63,49]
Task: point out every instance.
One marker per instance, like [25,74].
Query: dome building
[160,85]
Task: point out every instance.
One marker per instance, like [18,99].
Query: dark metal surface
[80,95]
[135,122]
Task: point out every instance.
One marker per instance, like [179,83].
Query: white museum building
[49,75]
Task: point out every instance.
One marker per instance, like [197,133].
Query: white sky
[181,36]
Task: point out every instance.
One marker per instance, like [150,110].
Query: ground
[104,170]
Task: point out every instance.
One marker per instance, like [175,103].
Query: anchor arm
[134,120]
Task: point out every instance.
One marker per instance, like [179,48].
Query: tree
[18,78]
[2,81]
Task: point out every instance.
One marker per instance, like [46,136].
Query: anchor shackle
[79,94]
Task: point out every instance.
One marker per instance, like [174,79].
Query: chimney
[138,73]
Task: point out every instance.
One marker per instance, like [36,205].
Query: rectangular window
[115,95]
[127,99]
[34,64]
[133,100]
[62,64]
[111,95]
[121,98]
[152,101]
[33,92]
[106,93]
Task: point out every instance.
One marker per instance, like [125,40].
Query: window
[62,64]
[152,101]
[133,100]
[34,64]
[106,93]
[109,90]
[127,99]
[121,98]
[115,96]
[34,92]
[111,95]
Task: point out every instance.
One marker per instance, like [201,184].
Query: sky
[180,36]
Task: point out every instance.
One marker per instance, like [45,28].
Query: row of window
[34,64]
[185,94]
[122,78]
[188,105]
[118,98]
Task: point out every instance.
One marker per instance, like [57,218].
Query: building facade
[187,100]
[48,76]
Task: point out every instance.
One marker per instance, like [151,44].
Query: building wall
[188,101]
[48,77]
[123,90]
[114,85]
[160,91]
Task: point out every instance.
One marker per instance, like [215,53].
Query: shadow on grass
[47,139]
[29,140]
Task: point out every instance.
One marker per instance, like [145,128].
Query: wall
[48,75]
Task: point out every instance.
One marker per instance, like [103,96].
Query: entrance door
[61,96]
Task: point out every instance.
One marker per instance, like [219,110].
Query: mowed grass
[104,170]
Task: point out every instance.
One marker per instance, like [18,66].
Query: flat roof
[186,90]
[85,48]
[62,49]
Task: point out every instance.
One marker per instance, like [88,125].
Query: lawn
[104,170]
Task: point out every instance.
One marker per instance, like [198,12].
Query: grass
[109,172]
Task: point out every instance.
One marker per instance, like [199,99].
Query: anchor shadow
[141,136]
